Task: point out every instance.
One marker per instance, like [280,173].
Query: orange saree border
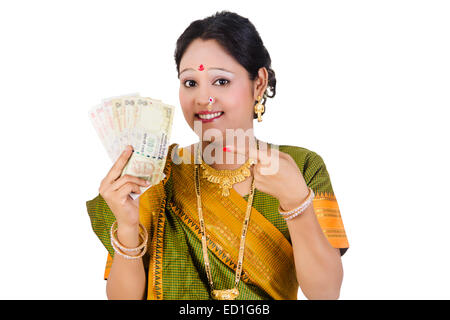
[329,217]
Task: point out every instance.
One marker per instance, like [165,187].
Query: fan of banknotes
[141,122]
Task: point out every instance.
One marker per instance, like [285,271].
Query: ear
[260,83]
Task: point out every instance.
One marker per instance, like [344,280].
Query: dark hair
[239,37]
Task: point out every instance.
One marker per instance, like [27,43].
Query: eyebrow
[190,69]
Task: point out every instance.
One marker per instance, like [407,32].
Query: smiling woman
[237,64]
[229,228]
[234,93]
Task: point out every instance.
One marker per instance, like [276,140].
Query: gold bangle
[143,234]
[127,256]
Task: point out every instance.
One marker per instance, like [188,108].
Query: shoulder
[172,152]
[176,156]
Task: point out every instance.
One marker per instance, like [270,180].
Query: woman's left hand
[277,174]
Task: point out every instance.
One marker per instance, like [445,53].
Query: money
[145,124]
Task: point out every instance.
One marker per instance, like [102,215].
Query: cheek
[237,100]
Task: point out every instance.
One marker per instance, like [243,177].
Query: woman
[256,227]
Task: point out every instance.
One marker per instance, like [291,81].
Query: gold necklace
[226,178]
[225,294]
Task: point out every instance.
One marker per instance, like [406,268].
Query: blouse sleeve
[325,204]
[102,219]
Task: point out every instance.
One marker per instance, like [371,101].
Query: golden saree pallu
[174,261]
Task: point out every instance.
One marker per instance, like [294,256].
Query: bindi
[201,68]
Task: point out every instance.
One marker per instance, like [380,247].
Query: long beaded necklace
[225,294]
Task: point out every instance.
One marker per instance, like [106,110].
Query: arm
[317,263]
[127,279]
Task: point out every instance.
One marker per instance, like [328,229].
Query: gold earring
[259,108]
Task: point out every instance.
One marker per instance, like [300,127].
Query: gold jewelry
[226,178]
[225,294]
[120,248]
[211,101]
[259,108]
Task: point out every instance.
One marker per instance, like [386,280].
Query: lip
[208,112]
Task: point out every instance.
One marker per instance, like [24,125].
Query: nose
[203,93]
[204,100]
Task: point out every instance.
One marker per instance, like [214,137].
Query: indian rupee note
[152,131]
[114,140]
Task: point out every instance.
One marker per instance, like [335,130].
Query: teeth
[209,116]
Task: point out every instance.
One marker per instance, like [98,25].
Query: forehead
[209,53]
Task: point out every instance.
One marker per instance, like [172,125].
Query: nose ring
[211,100]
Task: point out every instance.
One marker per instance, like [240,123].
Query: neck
[213,154]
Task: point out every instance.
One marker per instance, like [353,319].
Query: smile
[210,116]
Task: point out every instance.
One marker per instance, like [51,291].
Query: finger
[126,179]
[118,166]
[124,192]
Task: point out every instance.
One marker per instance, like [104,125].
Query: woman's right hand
[116,189]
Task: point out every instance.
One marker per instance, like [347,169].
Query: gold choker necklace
[227,178]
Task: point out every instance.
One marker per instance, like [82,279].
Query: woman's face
[206,70]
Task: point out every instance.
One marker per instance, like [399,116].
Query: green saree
[174,260]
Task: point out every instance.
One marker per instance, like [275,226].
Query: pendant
[226,178]
[226,294]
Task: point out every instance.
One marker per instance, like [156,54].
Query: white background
[365,84]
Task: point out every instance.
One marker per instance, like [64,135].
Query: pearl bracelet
[288,215]
[119,248]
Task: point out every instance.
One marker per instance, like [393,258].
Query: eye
[222,80]
[190,83]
